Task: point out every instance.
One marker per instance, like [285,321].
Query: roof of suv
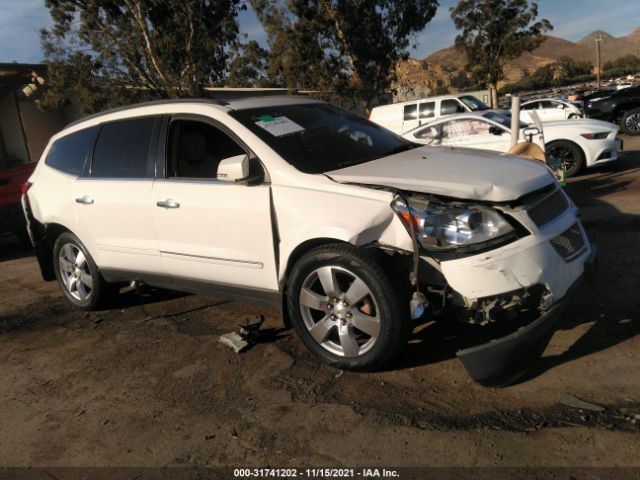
[238,104]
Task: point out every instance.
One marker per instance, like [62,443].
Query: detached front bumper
[502,361]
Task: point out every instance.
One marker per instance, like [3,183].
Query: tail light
[24,188]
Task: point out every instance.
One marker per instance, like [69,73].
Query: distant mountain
[446,68]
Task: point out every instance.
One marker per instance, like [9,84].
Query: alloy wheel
[564,154]
[74,272]
[339,311]
[633,122]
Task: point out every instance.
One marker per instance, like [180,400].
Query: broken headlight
[438,225]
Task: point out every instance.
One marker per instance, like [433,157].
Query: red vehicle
[11,216]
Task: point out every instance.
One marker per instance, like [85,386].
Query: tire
[77,274]
[568,153]
[352,319]
[630,122]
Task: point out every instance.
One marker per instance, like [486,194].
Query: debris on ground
[571,400]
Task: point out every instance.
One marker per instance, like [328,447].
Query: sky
[21,20]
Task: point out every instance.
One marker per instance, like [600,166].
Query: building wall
[39,127]
[12,132]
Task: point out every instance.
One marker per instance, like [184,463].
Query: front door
[211,231]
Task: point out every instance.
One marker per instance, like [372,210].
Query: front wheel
[346,309]
[570,154]
[630,122]
[77,273]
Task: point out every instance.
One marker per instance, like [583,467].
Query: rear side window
[122,149]
[69,154]
[427,109]
[411,112]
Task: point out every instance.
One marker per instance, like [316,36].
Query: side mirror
[560,106]
[233,169]
[495,130]
[530,131]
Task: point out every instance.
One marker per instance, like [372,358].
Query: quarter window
[122,149]
[196,148]
[69,153]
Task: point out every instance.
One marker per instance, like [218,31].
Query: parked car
[617,106]
[11,218]
[550,110]
[577,144]
[404,116]
[291,202]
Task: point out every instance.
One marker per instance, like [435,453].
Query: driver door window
[195,149]
[474,133]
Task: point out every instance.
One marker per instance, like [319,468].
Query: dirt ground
[146,383]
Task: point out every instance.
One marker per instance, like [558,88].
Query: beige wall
[39,127]
[12,132]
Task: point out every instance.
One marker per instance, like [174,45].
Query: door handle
[168,203]
[85,200]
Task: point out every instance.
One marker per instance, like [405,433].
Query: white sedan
[582,142]
[550,110]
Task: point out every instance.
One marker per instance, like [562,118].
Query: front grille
[548,208]
[570,242]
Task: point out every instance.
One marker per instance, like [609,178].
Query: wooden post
[598,60]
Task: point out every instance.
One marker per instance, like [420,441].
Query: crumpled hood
[453,172]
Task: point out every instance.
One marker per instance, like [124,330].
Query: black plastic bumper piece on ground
[503,361]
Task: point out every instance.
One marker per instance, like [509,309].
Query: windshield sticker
[278,126]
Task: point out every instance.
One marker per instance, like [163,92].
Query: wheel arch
[585,157]
[621,109]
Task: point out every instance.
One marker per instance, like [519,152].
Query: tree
[494,32]
[567,67]
[248,67]
[154,48]
[623,65]
[347,47]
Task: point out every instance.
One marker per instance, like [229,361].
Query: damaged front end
[507,268]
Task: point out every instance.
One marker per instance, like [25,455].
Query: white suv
[291,202]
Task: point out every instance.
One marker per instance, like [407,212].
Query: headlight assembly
[441,226]
[595,136]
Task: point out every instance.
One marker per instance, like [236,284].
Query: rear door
[210,231]
[409,116]
[114,219]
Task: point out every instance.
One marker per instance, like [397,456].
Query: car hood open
[453,172]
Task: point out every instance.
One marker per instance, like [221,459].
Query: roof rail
[210,101]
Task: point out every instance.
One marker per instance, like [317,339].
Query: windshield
[503,118]
[318,137]
[473,103]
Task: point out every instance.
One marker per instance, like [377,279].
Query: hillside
[446,67]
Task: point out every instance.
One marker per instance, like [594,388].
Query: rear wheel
[77,273]
[346,309]
[630,122]
[570,154]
